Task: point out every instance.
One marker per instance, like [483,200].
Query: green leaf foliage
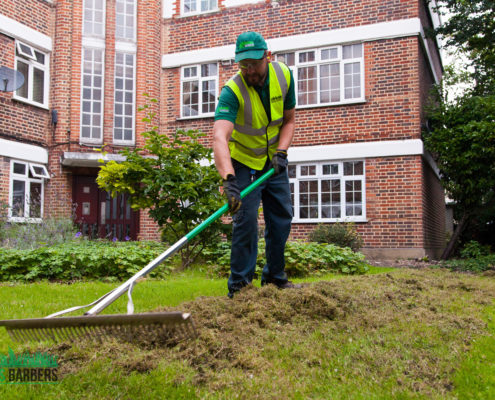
[80,259]
[301,259]
[462,140]
[175,179]
[470,29]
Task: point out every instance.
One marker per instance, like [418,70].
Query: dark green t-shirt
[228,105]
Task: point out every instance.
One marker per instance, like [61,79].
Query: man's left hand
[279,161]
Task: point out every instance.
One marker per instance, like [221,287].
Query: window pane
[287,58]
[307,85]
[308,170]
[292,171]
[352,80]
[307,56]
[24,89]
[209,70]
[19,168]
[38,85]
[18,196]
[92,81]
[35,200]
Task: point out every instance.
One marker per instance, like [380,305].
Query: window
[26,190]
[123,130]
[125,19]
[33,64]
[328,191]
[199,90]
[92,96]
[198,6]
[331,75]
[94,18]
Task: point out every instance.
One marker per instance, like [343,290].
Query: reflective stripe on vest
[254,137]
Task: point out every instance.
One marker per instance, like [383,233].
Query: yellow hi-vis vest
[254,138]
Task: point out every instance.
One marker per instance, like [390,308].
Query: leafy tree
[470,29]
[461,131]
[175,179]
[462,140]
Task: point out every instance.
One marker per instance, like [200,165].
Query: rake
[164,324]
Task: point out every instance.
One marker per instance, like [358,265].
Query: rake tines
[96,327]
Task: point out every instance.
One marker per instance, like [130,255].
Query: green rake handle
[222,210]
[128,286]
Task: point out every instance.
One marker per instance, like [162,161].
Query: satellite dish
[10,79]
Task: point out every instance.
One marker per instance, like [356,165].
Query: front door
[101,216]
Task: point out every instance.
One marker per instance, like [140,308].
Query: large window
[123,131]
[198,6]
[199,90]
[92,96]
[125,19]
[94,18]
[329,75]
[328,191]
[26,190]
[33,64]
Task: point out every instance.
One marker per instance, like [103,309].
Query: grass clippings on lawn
[395,335]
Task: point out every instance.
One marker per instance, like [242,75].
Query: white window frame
[294,181]
[91,139]
[28,180]
[200,81]
[197,11]
[93,10]
[125,15]
[133,105]
[32,63]
[318,62]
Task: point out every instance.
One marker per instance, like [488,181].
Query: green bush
[80,259]
[473,249]
[479,264]
[301,259]
[342,234]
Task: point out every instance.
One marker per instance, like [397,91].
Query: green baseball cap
[250,45]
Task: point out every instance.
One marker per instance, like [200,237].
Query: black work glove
[279,161]
[231,189]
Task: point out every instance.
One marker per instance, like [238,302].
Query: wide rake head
[162,326]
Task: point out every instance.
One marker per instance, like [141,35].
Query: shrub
[340,234]
[80,259]
[49,232]
[478,264]
[473,249]
[301,259]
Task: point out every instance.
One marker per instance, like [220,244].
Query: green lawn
[391,334]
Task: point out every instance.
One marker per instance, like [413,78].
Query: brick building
[362,70]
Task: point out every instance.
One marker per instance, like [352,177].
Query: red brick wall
[433,212]
[289,18]
[36,14]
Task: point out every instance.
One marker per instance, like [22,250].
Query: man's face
[254,71]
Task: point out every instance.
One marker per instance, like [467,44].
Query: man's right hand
[231,189]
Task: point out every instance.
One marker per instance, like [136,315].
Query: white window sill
[328,220]
[340,103]
[90,142]
[210,115]
[26,220]
[124,143]
[31,103]
[194,14]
